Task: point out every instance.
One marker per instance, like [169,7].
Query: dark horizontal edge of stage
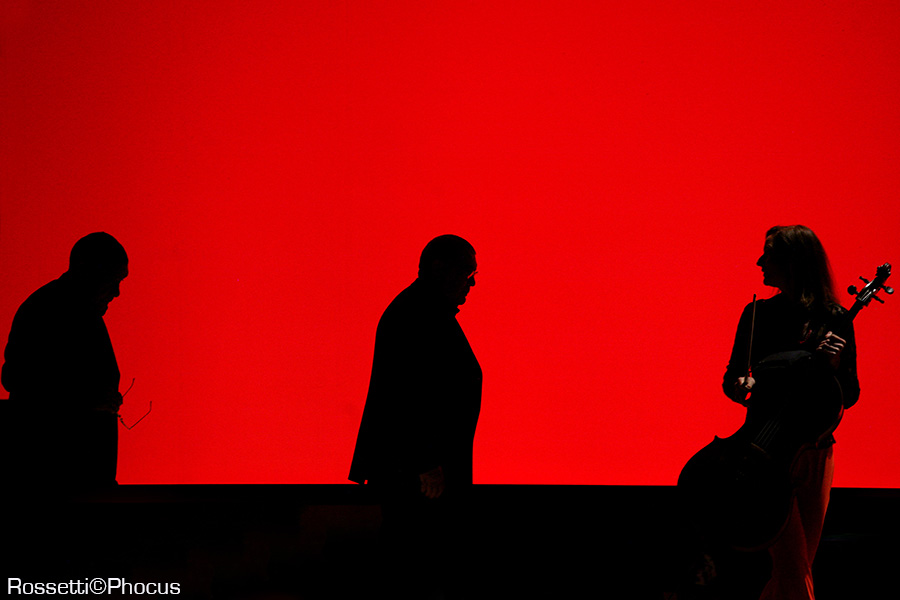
[354,494]
[308,541]
[856,509]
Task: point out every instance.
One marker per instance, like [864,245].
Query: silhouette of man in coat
[416,436]
[62,376]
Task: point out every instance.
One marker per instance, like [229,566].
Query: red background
[274,169]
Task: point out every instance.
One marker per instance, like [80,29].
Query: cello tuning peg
[874,297]
[888,290]
[864,279]
[852,290]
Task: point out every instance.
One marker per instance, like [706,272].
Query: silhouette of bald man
[61,372]
[417,432]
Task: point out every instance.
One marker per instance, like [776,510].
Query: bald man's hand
[432,483]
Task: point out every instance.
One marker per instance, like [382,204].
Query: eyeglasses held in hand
[121,420]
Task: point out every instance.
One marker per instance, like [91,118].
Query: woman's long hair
[801,256]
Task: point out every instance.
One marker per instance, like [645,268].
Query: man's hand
[432,483]
[112,404]
[742,387]
[830,348]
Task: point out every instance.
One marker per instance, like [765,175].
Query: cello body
[738,489]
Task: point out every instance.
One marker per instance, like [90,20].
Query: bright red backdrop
[274,169]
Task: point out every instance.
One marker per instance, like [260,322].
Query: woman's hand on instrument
[742,387]
[830,349]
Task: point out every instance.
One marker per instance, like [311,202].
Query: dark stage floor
[307,541]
